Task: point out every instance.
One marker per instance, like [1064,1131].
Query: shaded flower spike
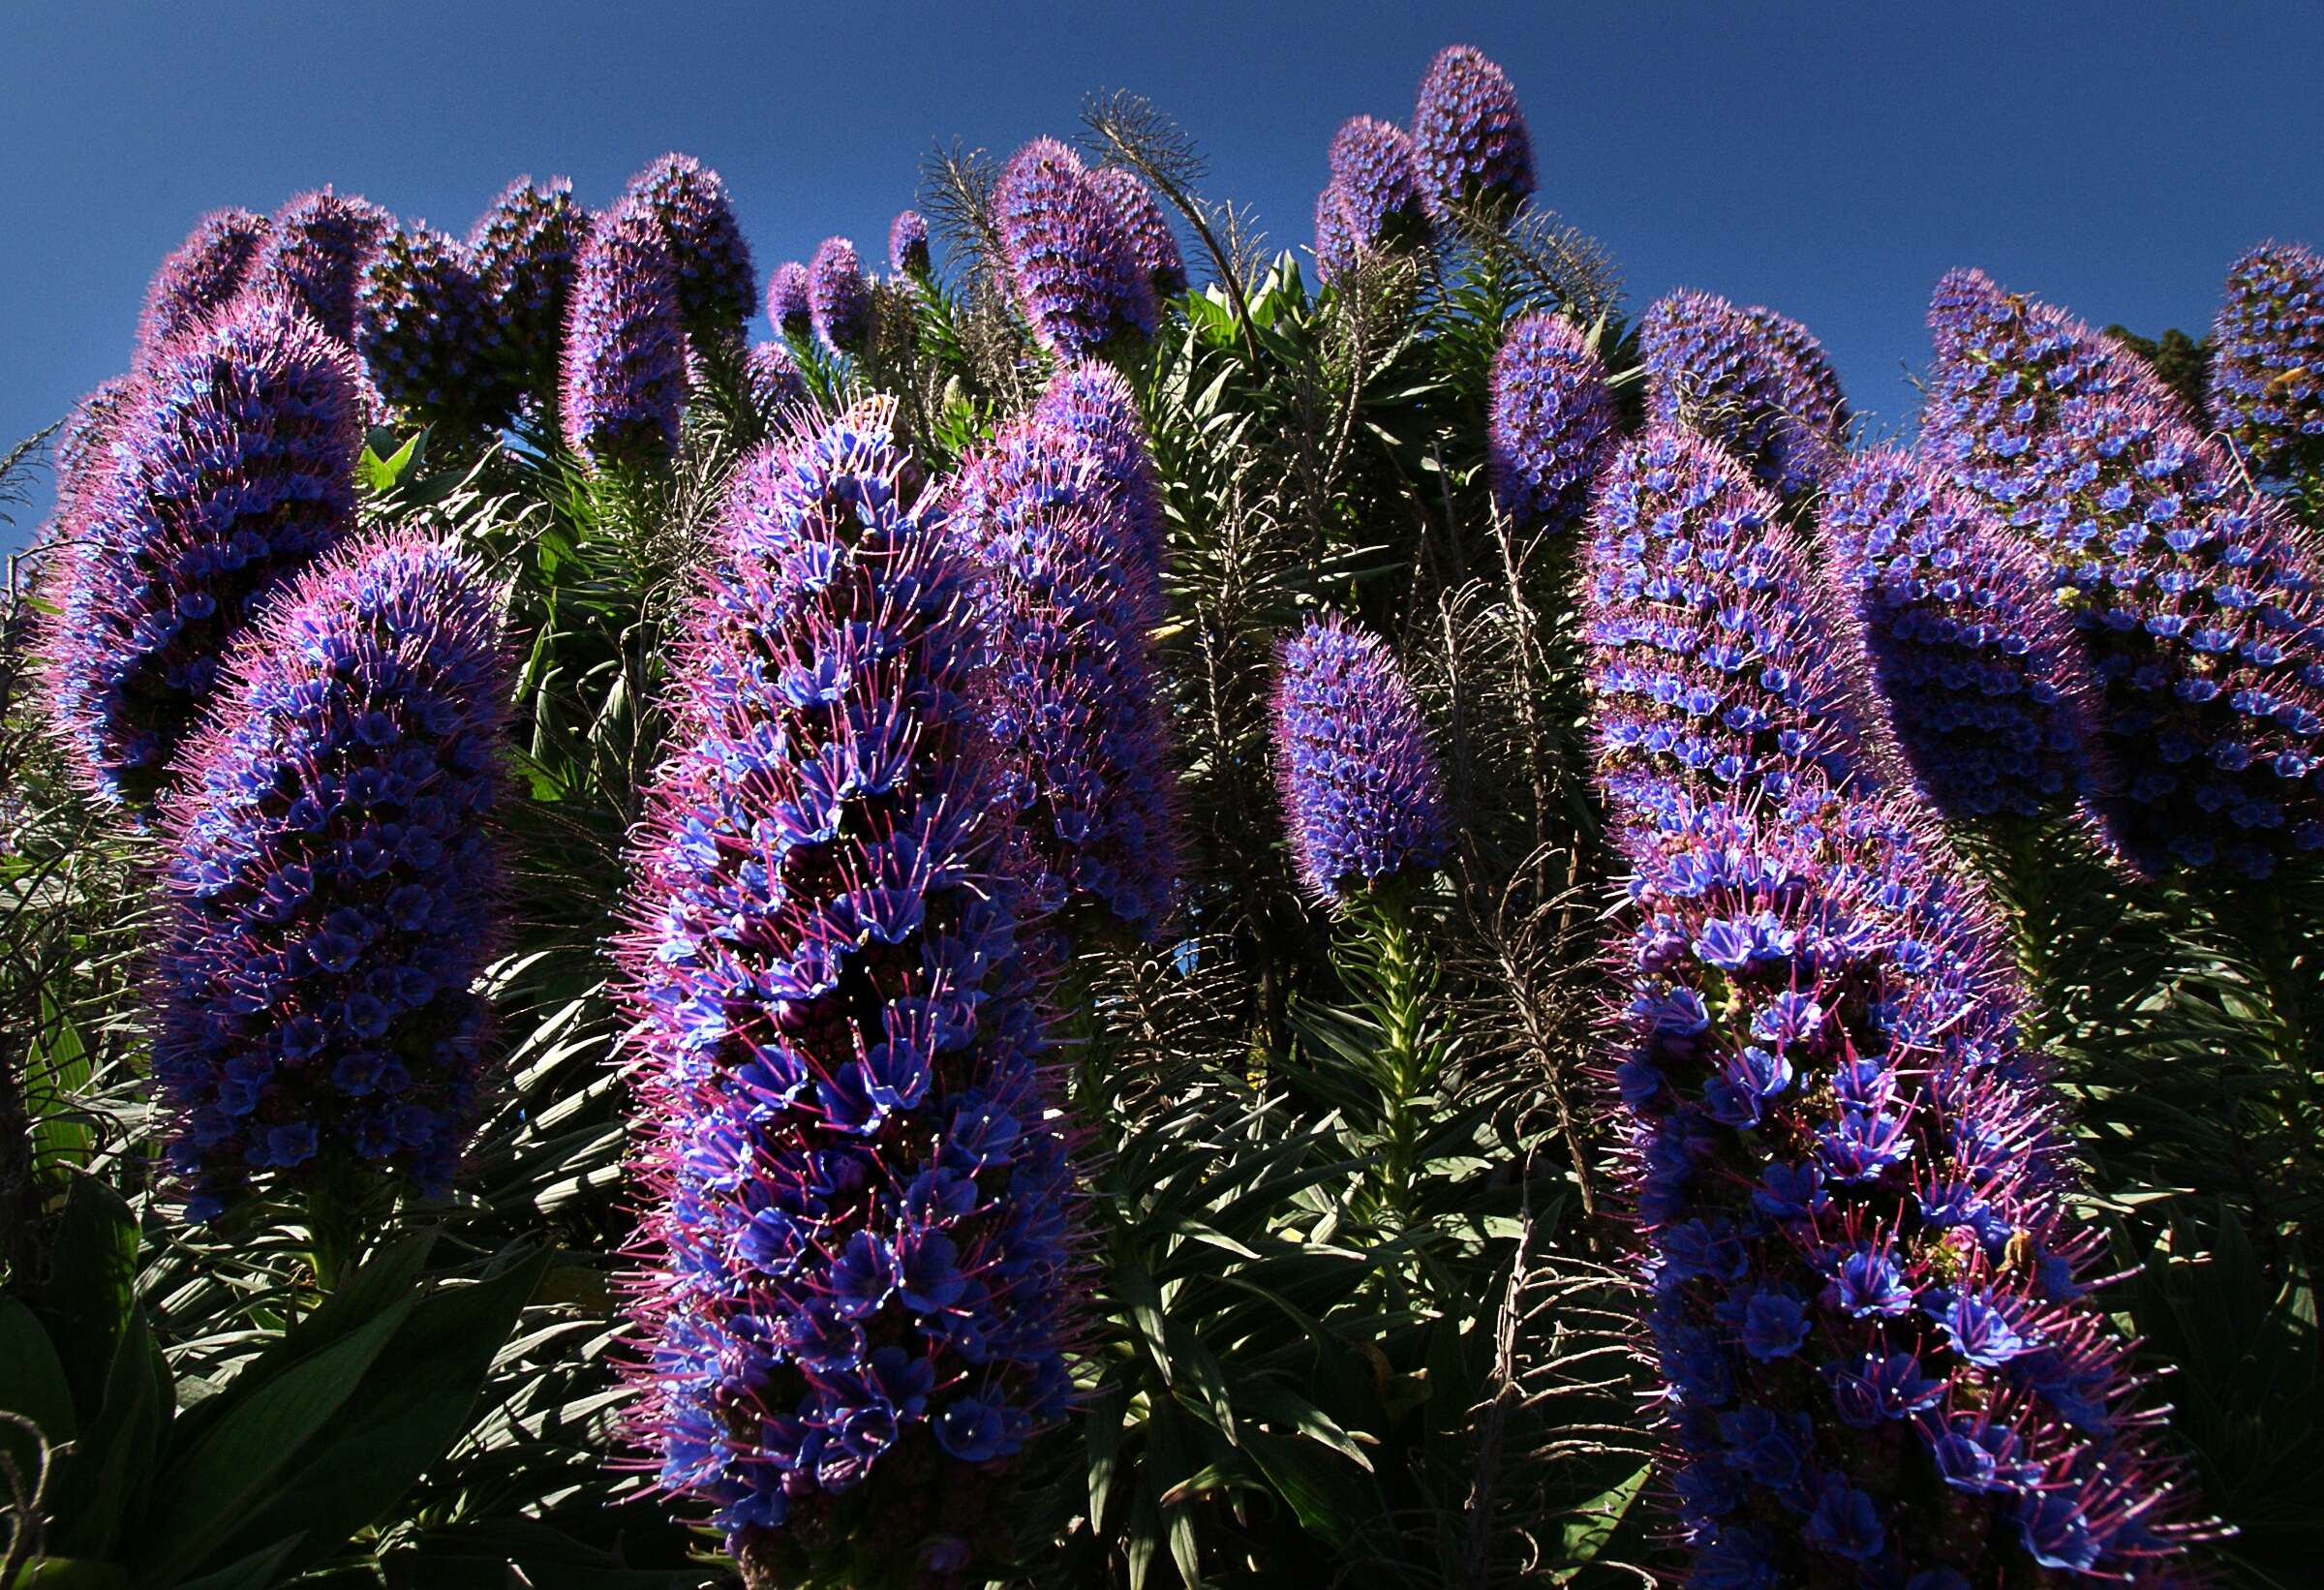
[229,464]
[1069,255]
[857,1277]
[1362,794]
[1732,376]
[1468,134]
[1810,362]
[908,244]
[773,375]
[2267,378]
[787,304]
[1985,680]
[201,274]
[333,886]
[1550,423]
[624,381]
[717,282]
[316,250]
[1153,247]
[1378,179]
[839,296]
[427,331]
[1866,1275]
[526,251]
[1053,516]
[1334,237]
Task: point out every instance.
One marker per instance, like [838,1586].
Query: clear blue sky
[1827,159]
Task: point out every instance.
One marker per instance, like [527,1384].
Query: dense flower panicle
[717,285]
[1068,253]
[1730,374]
[2267,377]
[314,250]
[1363,793]
[1067,585]
[1810,364]
[334,885]
[228,463]
[774,378]
[1468,134]
[526,251]
[624,380]
[1378,178]
[839,296]
[427,332]
[1092,401]
[202,275]
[1153,247]
[1867,1284]
[788,307]
[858,1252]
[1549,425]
[1334,237]
[1987,690]
[908,244]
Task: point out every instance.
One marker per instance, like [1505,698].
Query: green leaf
[254,1571]
[56,1071]
[92,1286]
[380,472]
[1594,1523]
[73,1574]
[100,1498]
[32,1379]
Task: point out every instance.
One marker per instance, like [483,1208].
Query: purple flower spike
[1378,178]
[1362,794]
[1068,255]
[1866,1276]
[423,327]
[2267,379]
[202,275]
[1334,237]
[1468,134]
[334,885]
[839,296]
[624,379]
[788,307]
[526,251]
[1056,517]
[1153,247]
[229,464]
[908,244]
[717,282]
[1988,691]
[1550,424]
[857,1277]
[1749,380]
[772,374]
[316,250]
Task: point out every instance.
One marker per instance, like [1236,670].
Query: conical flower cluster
[908,244]
[624,381]
[1866,1279]
[717,285]
[526,251]
[315,251]
[1068,253]
[1153,247]
[772,372]
[857,1277]
[427,333]
[202,275]
[1468,132]
[2267,378]
[332,885]
[1550,423]
[1750,380]
[229,464]
[1362,792]
[787,303]
[839,297]
[1093,402]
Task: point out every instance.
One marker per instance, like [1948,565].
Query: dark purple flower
[1067,585]
[1334,237]
[1738,377]
[1468,134]
[2267,377]
[1153,247]
[624,382]
[908,244]
[1378,180]
[772,374]
[314,250]
[429,336]
[787,306]
[717,282]
[1549,426]
[200,275]
[526,251]
[1068,253]
[1908,1187]
[839,296]
[857,1252]
[1362,794]
[1986,684]
[334,885]
[227,464]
